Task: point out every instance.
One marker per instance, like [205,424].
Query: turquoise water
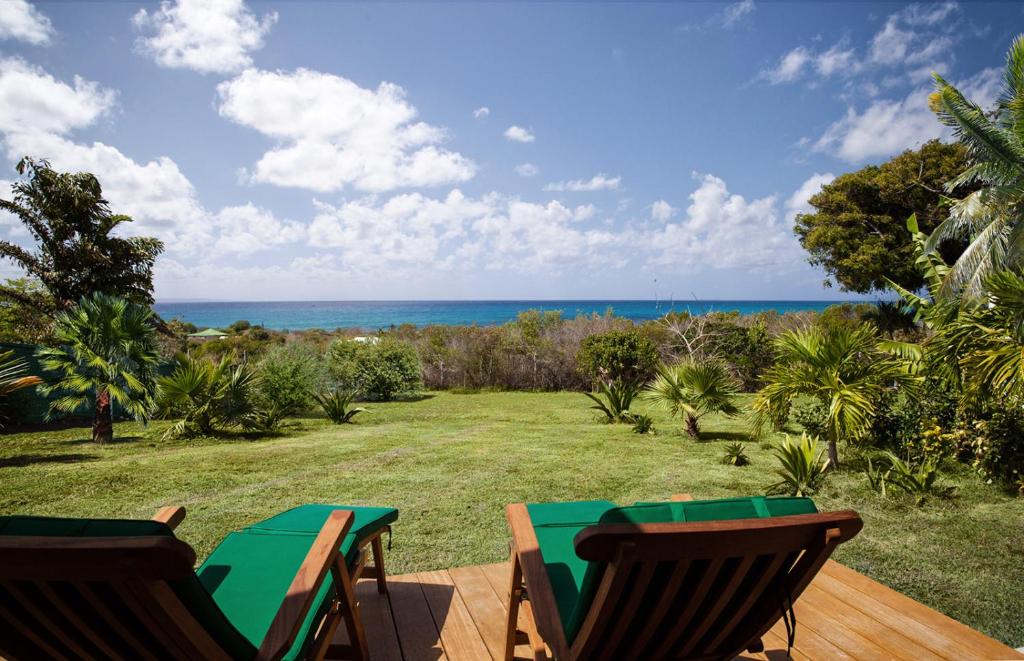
[372,315]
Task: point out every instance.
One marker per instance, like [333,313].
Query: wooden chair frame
[673,624]
[131,574]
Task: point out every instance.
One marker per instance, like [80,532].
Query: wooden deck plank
[375,612]
[980,645]
[417,632]
[498,576]
[459,635]
[484,607]
[809,643]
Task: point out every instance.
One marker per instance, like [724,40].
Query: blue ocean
[373,315]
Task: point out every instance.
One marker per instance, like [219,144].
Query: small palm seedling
[643,424]
[265,419]
[735,455]
[919,480]
[802,466]
[692,389]
[335,405]
[617,398]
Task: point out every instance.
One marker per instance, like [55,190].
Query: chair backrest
[112,596]
[705,590]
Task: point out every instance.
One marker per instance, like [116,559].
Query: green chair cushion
[310,519]
[248,575]
[192,593]
[575,581]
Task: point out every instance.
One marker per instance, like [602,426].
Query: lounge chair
[94,588]
[684,579]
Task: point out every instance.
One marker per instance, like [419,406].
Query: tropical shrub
[844,368]
[735,455]
[207,397]
[812,418]
[996,445]
[240,326]
[106,355]
[918,479]
[802,466]
[386,369]
[290,374]
[618,356]
[264,418]
[337,406]
[643,424]
[13,377]
[692,389]
[613,399]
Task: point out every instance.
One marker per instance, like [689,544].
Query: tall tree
[106,355]
[990,217]
[857,232]
[77,250]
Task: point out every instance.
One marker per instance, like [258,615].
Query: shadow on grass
[118,440]
[24,460]
[709,436]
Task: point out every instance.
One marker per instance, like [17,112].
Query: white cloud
[889,126]
[208,36]
[798,202]
[723,230]
[736,11]
[598,182]
[789,68]
[481,113]
[928,14]
[838,59]
[248,229]
[519,134]
[527,170]
[333,133]
[662,211]
[889,45]
[22,21]
[32,100]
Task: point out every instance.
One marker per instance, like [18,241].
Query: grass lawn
[451,462]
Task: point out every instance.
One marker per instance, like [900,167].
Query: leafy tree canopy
[77,251]
[857,232]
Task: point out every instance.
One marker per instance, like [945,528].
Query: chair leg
[515,594]
[378,564]
[350,612]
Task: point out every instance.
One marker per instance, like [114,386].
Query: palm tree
[207,395]
[106,355]
[990,218]
[692,389]
[12,378]
[844,368]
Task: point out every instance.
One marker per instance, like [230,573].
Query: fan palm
[692,389]
[12,378]
[990,218]
[844,368]
[106,354]
[207,395]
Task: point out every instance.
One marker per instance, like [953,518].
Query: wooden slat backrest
[702,590]
[98,597]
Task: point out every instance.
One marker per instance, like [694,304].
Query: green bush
[802,466]
[289,375]
[997,446]
[383,369]
[643,424]
[336,405]
[239,326]
[618,356]
[736,455]
[617,397]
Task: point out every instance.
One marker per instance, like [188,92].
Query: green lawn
[451,462]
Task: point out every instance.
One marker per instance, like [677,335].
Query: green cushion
[575,581]
[248,575]
[192,593]
[311,518]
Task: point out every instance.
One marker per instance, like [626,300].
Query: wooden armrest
[297,602]
[172,516]
[681,497]
[535,575]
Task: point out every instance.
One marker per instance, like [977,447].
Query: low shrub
[382,369]
[289,376]
[802,466]
[997,445]
[735,455]
[337,406]
[613,399]
[618,356]
[643,424]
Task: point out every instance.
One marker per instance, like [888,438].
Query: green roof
[209,332]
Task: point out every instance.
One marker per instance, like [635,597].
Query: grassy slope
[451,463]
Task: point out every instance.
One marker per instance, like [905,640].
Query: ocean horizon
[374,315]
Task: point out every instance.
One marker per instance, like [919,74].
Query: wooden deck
[458,614]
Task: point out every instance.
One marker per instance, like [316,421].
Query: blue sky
[445,151]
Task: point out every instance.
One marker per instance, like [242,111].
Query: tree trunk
[103,420]
[833,453]
[692,428]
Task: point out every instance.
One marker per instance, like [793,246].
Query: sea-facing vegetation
[910,411]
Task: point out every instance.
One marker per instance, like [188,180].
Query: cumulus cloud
[598,182]
[723,230]
[208,36]
[481,113]
[20,20]
[519,134]
[32,100]
[662,211]
[332,133]
[247,229]
[527,170]
[888,126]
[799,201]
